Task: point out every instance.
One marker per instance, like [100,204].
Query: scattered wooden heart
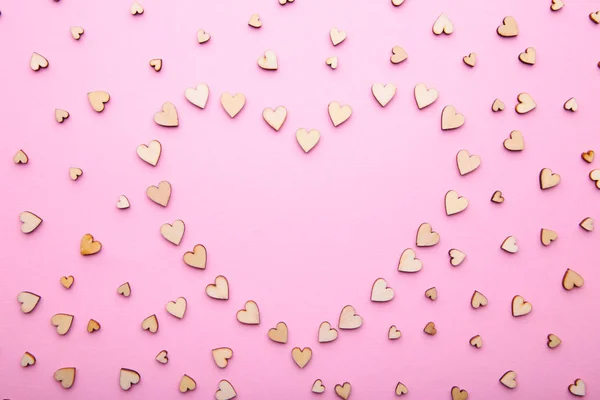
[233,104]
[509,379]
[577,388]
[528,56]
[476,341]
[186,384]
[128,378]
[338,113]
[595,17]
[571,280]
[510,245]
[20,157]
[29,221]
[177,308]
[426,236]
[332,62]
[431,293]
[349,319]
[515,142]
[327,333]
[162,357]
[275,118]
[553,341]
[587,224]
[150,324]
[76,32]
[307,139]
[337,36]
[456,257]
[588,156]
[498,105]
[520,307]
[225,391]
[525,103]
[424,96]
[508,28]
[249,315]
[196,258]
[556,5]
[75,173]
[458,394]
[301,356]
[156,63]
[124,290]
[89,246]
[65,376]
[394,333]
[343,391]
[123,202]
[380,292]
[547,236]
[268,61]
[220,289]
[202,36]
[255,21]
[455,203]
[279,334]
[62,322]
[595,176]
[60,115]
[398,54]
[173,232]
[159,194]
[28,301]
[98,99]
[397,2]
[283,2]
[430,329]
[167,116]
[27,360]
[383,93]
[401,389]
[38,61]
[466,162]
[136,9]
[478,300]
[443,25]
[451,119]
[548,179]
[409,262]
[67,281]
[221,355]
[318,387]
[571,105]
[198,96]
[497,197]
[470,60]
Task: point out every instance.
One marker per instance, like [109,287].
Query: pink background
[301,234]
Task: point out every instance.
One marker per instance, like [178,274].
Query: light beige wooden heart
[337,36]
[225,391]
[128,378]
[186,384]
[455,203]
[160,194]
[75,173]
[38,61]
[556,5]
[397,2]
[383,93]
[515,142]
[497,105]
[510,245]
[571,105]
[528,56]
[98,99]
[29,221]
[255,21]
[547,236]
[279,334]
[458,393]
[27,359]
[526,103]
[136,8]
[318,387]
[123,202]
[76,32]
[398,55]
[150,324]
[548,179]
[466,162]
[307,139]
[587,224]
[577,388]
[508,28]
[338,113]
[88,246]
[343,391]
[380,292]
[394,333]
[424,96]
[401,389]
[571,280]
[198,96]
[65,376]
[156,63]
[220,289]
[509,379]
[173,232]
[520,307]
[268,61]
[595,176]
[301,356]
[221,355]
[124,290]
[478,300]
[275,118]
[595,17]
[67,281]
[470,60]
[553,341]
[588,156]
[332,62]
[426,236]
[62,322]
[476,341]
[451,119]
[409,261]
[177,308]
[250,314]
[430,329]
[167,116]
[196,258]
[327,333]
[497,197]
[162,357]
[203,36]
[233,104]
[60,115]
[20,157]
[28,301]
[443,25]
[431,293]
[456,257]
[150,153]
[349,319]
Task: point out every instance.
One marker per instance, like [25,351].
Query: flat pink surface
[301,234]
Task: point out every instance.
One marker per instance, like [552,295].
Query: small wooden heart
[150,324]
[187,384]
[528,56]
[343,391]
[588,156]
[548,179]
[451,119]
[123,202]
[497,197]
[401,389]
[65,376]
[520,307]
[431,293]
[380,292]
[198,96]
[455,203]
[173,232]
[556,5]
[595,176]
[587,224]
[136,9]
[571,105]
[268,61]
[424,96]
[398,54]
[233,104]
[547,236]
[160,194]
[156,63]
[275,118]
[89,246]
[221,356]
[28,301]
[456,257]
[577,388]
[128,378]
[470,60]
[349,319]
[458,394]
[167,116]
[332,62]
[203,36]
[75,173]
[162,357]
[595,17]
[525,103]
[466,162]
[62,322]
[124,290]
[318,387]
[430,329]
[27,360]
[67,281]
[497,105]
[409,262]
[478,300]
[279,334]
[98,99]
[307,139]
[509,379]
[29,221]
[426,236]
[553,341]
[177,308]
[20,157]
[394,333]
[383,93]
[508,28]
[443,25]
[93,326]
[250,314]
[476,341]
[76,32]
[572,280]
[515,142]
[301,356]
[60,115]
[338,113]
[225,391]
[220,289]
[255,21]
[510,245]
[38,61]
[337,36]
[327,333]
[196,258]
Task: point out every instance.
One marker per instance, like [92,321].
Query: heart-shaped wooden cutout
[595,176]
[60,115]
[249,315]
[470,60]
[318,387]
[275,118]
[177,308]
[571,280]
[268,61]
[150,324]
[343,391]
[156,63]
[588,156]
[577,388]
[548,179]
[76,32]
[478,300]
[587,224]
[497,105]
[510,245]
[547,236]
[160,194]
[301,356]
[198,96]
[136,9]
[28,301]
[220,290]
[127,378]
[595,17]
[571,105]
[167,116]
[89,246]
[430,329]
[509,379]
[553,341]
[458,394]
[38,61]
[397,2]
[279,334]
[196,258]
[62,322]
[456,257]
[476,341]
[528,56]
[443,25]
[20,157]
[409,261]
[203,36]
[255,21]
[27,359]
[424,96]
[394,333]
[398,54]
[455,203]
[124,290]
[307,139]
[383,93]
[221,355]
[75,173]
[426,237]
[401,389]
[233,104]
[466,162]
[173,232]
[380,292]
[508,28]
[337,36]
[556,5]
[451,119]
[98,99]
[515,142]
[431,293]
[332,62]
[93,326]
[338,113]
[67,281]
[526,103]
[29,221]
[65,376]
[123,202]
[150,153]
[327,333]
[162,357]
[497,197]
[186,384]
[349,319]
[225,391]
[520,307]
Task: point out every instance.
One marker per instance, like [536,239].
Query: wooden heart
[430,329]
[38,61]
[349,319]
[124,290]
[398,54]
[587,224]
[28,301]
[150,324]
[173,232]
[571,105]
[75,173]
[425,97]
[476,341]
[177,308]
[128,378]
[249,315]
[338,113]
[497,105]
[76,32]
[318,387]
[27,360]
[275,118]
[470,60]
[67,281]
[89,246]
[595,17]
[409,261]
[553,341]
[547,236]
[62,322]
[528,56]
[123,202]
[380,292]
[150,153]
[466,162]
[337,36]
[98,99]
[520,307]
[426,236]
[431,293]
[515,142]
[160,194]
[394,333]
[65,376]
[268,61]
[443,25]
[588,156]
[221,356]
[196,258]
[225,391]
[526,103]
[203,36]
[401,389]
[327,333]
[455,203]
[162,357]
[571,280]
[255,21]
[198,96]
[478,300]
[548,179]
[556,5]
[397,2]
[136,9]
[20,157]
[456,257]
[167,116]
[279,334]
[508,28]
[595,176]
[233,104]
[186,384]
[60,115]
[308,139]
[458,394]
[510,245]
[451,119]
[156,63]
[220,290]
[343,391]
[29,221]
[509,379]
[497,197]
[383,93]
[332,62]
[301,356]
[577,388]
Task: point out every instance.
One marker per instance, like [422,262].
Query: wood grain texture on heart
[401,389]
[478,300]
[349,319]
[547,236]
[451,119]
[466,162]
[520,307]
[150,153]
[380,292]
[60,115]
[250,314]
[65,376]
[498,105]
[515,141]
[454,203]
[424,96]
[337,36]
[307,139]
[318,387]
[338,113]
[571,280]
[458,394]
[476,341]
[394,333]
[431,294]
[398,55]
[187,384]
[255,21]
[177,308]
[98,99]
[525,103]
[456,257]
[29,221]
[67,281]
[160,194]
[221,355]
[28,301]
[27,360]
[20,157]
[89,246]
[173,232]
[587,224]
[225,391]
[443,25]
[233,104]
[268,61]
[553,341]
[162,357]
[301,356]
[279,334]
[430,329]
[156,64]
[509,379]
[275,118]
[128,378]
[219,290]
[124,290]
[548,179]
[198,96]
[62,322]
[327,333]
[383,93]
[150,324]
[577,388]
[38,61]
[343,391]
[426,237]
[508,28]
[167,116]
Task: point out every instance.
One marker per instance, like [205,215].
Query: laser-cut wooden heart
[124,290]
[476,341]
[380,292]
[67,281]
[275,118]
[470,60]
[409,261]
[255,21]
[456,257]
[98,99]
[162,357]
[20,157]
[451,119]
[443,25]
[250,314]
[526,103]
[27,360]
[75,173]
[577,388]
[301,356]
[167,116]
[307,139]
[587,224]
[233,104]
[337,36]
[515,142]
[268,61]
[397,2]
[510,245]
[343,391]
[455,203]
[498,105]
[89,246]
[198,96]
[556,5]
[424,96]
[466,162]
[220,289]
[595,17]
[279,334]
[398,55]
[150,324]
[571,280]
[327,333]
[318,387]
[478,300]
[225,391]
[528,56]
[401,389]
[187,384]
[508,28]
[547,236]
[203,36]
[548,179]
[38,61]
[136,9]
[60,115]
[173,232]
[196,258]
[123,202]
[520,307]
[338,113]
[588,156]
[177,308]
[28,301]
[128,378]
[76,32]
[62,322]
[65,376]
[595,176]
[394,333]
[509,379]
[221,355]
[431,293]
[160,194]
[332,62]
[349,319]
[29,221]
[383,93]
[426,236]
[430,329]
[553,341]
[150,153]
[571,105]
[497,197]
[156,63]
[458,393]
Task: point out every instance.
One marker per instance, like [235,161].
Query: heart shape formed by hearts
[203,36]
[301,356]
[275,118]
[255,21]
[27,359]
[225,391]
[93,326]
[29,221]
[451,119]
[89,246]
[76,32]
[383,93]
[520,307]
[198,96]
[162,357]
[455,203]
[167,116]
[173,232]
[62,322]
[160,194]
[67,281]
[279,334]
[426,237]
[307,139]
[177,308]
[150,324]
[337,36]
[28,301]
[456,257]
[338,113]
[424,96]
[127,378]
[65,376]
[509,379]
[571,280]
[250,314]
[528,56]
[268,61]
[398,55]
[221,355]
[508,28]
[526,103]
[466,162]
[443,25]
[510,245]
[380,292]
[497,105]
[349,319]
[553,341]
[60,115]
[343,391]
[318,386]
[394,333]
[233,104]
[220,290]
[478,300]
[196,258]
[38,61]
[156,63]
[327,333]
[124,290]
[98,99]
[548,179]
[476,341]
[186,384]
[515,142]
[20,157]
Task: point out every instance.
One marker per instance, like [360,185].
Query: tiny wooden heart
[456,257]
[136,8]
[587,224]
[510,245]
[394,333]
[455,203]
[338,113]
[150,153]
[380,292]
[162,357]
[327,333]
[89,246]
[451,119]
[173,232]
[275,118]
[497,197]
[156,63]
[67,281]
[515,141]
[301,356]
[221,356]
[123,202]
[268,61]
[520,307]
[249,315]
[426,236]
[470,60]
[383,93]
[349,319]
[595,17]
[548,179]
[398,54]
[233,104]
[93,326]
[20,157]
[343,391]
[466,162]
[577,388]
[225,391]
[62,322]
[409,262]
[528,56]
[595,176]
[38,61]
[29,221]
[220,290]
[27,359]
[28,301]
[65,376]
[318,387]
[124,290]
[150,324]
[547,236]
[588,156]
[508,28]
[76,32]
[75,173]
[98,99]
[553,341]
[526,103]
[497,105]
[203,36]
[476,341]
[431,293]
[509,379]
[160,194]
[425,97]
[397,2]
[571,280]
[430,329]
[556,5]
[478,300]
[255,21]
[279,334]
[337,36]
[128,378]
[571,104]
[307,139]
[186,384]
[443,25]
[177,308]
[196,258]
[198,96]
[60,115]
[332,62]
[458,394]
[167,116]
